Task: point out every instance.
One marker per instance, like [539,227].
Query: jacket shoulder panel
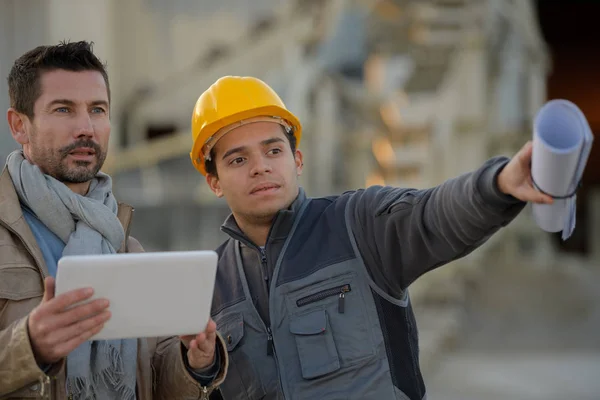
[321,239]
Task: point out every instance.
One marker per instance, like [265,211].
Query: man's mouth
[264,188]
[83,153]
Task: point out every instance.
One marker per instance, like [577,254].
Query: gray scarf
[88,225]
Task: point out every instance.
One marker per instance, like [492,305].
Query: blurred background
[398,92]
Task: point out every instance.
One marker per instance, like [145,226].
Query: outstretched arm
[404,233]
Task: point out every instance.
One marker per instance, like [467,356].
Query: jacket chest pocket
[21,287]
[242,381]
[316,346]
[19,278]
[19,282]
[329,325]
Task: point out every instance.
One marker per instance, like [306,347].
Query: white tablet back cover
[150,294]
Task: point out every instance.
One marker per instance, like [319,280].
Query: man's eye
[98,110]
[275,151]
[237,160]
[62,109]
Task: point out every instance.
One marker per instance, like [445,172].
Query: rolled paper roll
[562,140]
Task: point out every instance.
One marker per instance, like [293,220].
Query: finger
[206,343]
[540,197]
[198,350]
[186,339]
[73,331]
[67,299]
[211,337]
[59,321]
[82,311]
[200,338]
[211,326]
[49,286]
[536,196]
[211,331]
[66,347]
[193,350]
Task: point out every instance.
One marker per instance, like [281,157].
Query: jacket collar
[11,217]
[282,224]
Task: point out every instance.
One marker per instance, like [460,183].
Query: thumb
[49,285]
[526,153]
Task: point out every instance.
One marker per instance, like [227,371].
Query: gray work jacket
[323,312]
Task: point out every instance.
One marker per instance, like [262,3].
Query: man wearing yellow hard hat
[311,293]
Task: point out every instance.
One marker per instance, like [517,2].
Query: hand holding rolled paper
[515,178]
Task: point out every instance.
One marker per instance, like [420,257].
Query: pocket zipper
[323,294]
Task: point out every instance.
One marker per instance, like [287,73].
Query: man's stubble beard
[54,162]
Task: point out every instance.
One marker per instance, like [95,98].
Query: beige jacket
[161,373]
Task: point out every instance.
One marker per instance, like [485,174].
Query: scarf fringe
[111,377]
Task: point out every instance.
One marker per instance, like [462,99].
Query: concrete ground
[515,375]
[527,333]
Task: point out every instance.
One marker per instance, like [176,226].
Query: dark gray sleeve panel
[404,233]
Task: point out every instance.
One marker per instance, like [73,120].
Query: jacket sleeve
[404,233]
[18,367]
[173,379]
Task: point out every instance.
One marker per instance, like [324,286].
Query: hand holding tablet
[57,325]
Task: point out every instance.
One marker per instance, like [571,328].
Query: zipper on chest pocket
[339,291]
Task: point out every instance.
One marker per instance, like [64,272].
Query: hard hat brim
[209,130]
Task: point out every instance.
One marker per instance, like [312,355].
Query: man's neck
[79,188]
[256,231]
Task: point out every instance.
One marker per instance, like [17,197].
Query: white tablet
[150,294]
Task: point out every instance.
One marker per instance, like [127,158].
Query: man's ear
[214,184]
[17,123]
[298,158]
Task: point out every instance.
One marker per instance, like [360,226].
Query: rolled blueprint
[562,140]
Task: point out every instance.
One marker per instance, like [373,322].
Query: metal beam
[149,153]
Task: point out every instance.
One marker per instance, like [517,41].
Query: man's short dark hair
[211,165]
[24,86]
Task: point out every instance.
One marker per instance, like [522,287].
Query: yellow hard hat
[230,102]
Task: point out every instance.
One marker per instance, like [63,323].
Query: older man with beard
[55,202]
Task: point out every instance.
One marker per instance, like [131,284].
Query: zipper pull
[342,298]
[269,342]
[263,256]
[204,393]
[263,260]
[45,387]
[341,303]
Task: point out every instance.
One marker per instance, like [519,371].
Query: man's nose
[261,165]
[85,127]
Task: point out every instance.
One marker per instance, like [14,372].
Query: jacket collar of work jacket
[282,223]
